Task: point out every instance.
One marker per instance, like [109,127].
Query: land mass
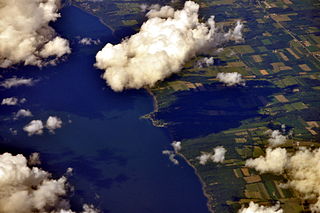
[279,61]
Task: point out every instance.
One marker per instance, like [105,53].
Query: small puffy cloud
[176,146]
[35,127]
[56,47]
[25,189]
[256,208]
[13,101]
[53,123]
[217,156]
[25,34]
[204,158]
[34,159]
[10,101]
[205,62]
[231,78]
[171,155]
[22,113]
[219,153]
[15,82]
[276,138]
[89,41]
[164,43]
[13,131]
[274,161]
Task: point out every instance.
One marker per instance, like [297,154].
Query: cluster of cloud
[217,156]
[25,34]
[15,82]
[164,43]
[171,155]
[12,101]
[256,208]
[89,41]
[302,169]
[25,189]
[205,62]
[231,78]
[177,147]
[35,127]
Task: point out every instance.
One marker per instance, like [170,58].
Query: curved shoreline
[203,184]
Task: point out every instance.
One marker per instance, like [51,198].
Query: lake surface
[116,156]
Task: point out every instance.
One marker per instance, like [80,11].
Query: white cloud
[161,47]
[53,123]
[301,168]
[231,78]
[89,41]
[35,127]
[171,156]
[205,62]
[204,158]
[276,138]
[34,159]
[256,208]
[217,156]
[25,189]
[219,153]
[22,113]
[10,101]
[25,34]
[15,82]
[176,146]
[274,161]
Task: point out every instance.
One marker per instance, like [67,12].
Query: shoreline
[90,13]
[203,185]
[150,117]
[154,122]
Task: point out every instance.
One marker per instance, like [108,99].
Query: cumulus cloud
[217,156]
[219,153]
[25,189]
[165,42]
[256,208]
[89,41]
[34,159]
[25,34]
[274,161]
[171,155]
[302,169]
[35,127]
[276,138]
[13,101]
[53,123]
[205,62]
[10,101]
[22,113]
[231,78]
[176,146]
[15,82]
[204,158]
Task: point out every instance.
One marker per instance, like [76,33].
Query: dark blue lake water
[116,156]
